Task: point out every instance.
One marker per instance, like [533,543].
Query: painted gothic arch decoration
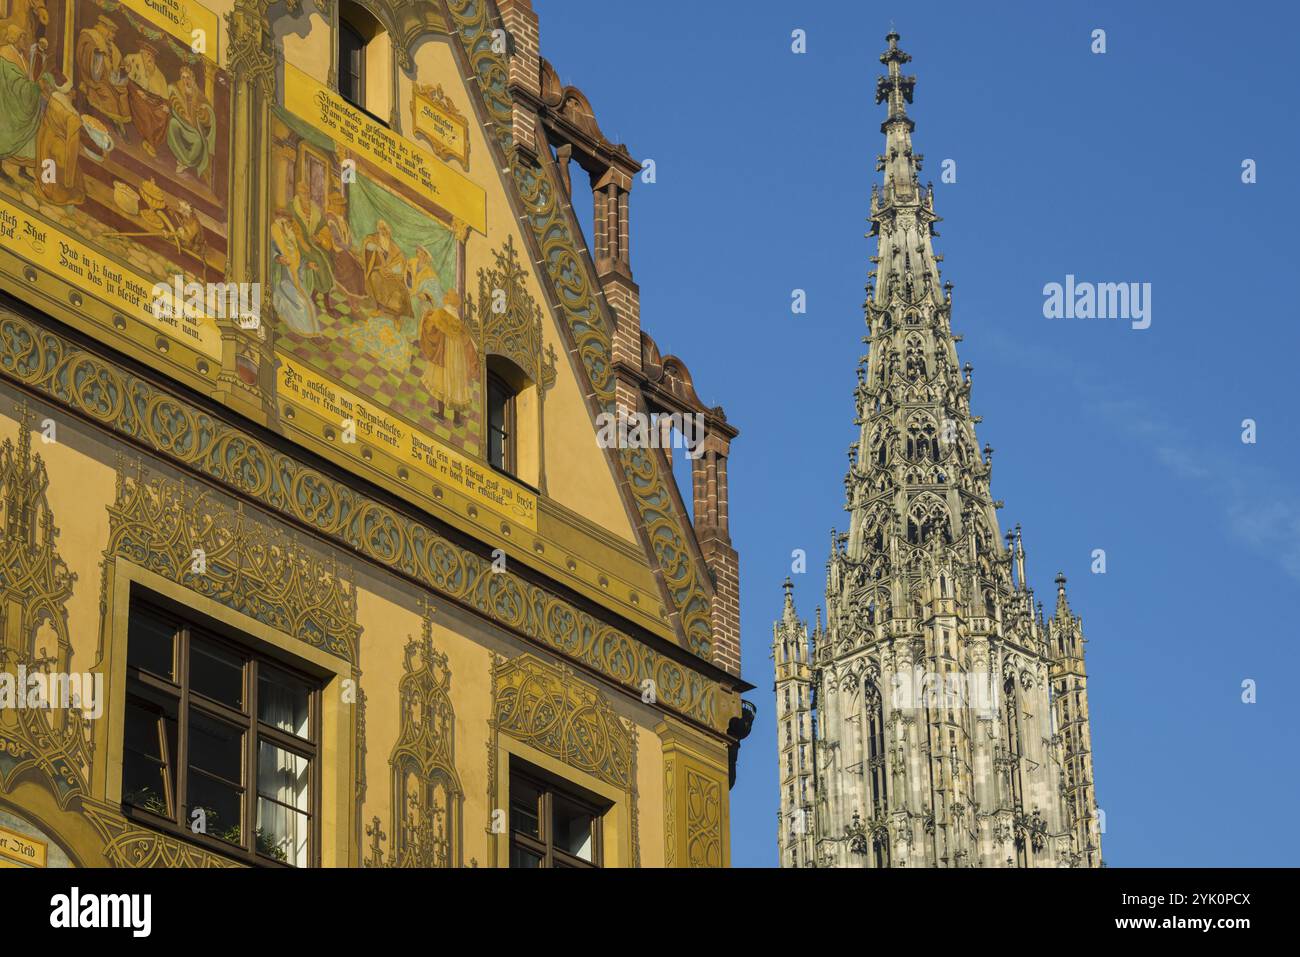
[509,321]
[427,797]
[550,708]
[35,585]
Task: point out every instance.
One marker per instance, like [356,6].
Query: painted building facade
[303,357]
[937,718]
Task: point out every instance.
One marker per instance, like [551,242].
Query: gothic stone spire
[935,741]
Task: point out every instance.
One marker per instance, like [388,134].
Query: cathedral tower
[794,735]
[950,718]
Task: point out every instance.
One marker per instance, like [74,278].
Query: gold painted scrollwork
[552,711]
[194,539]
[703,824]
[135,409]
[129,845]
[695,799]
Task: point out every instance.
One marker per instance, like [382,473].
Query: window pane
[216,756]
[151,643]
[282,833]
[524,798]
[522,857]
[222,806]
[144,784]
[498,396]
[216,748]
[216,673]
[144,778]
[496,449]
[282,701]
[352,58]
[498,413]
[572,828]
[282,775]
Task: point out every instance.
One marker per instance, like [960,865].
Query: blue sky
[1120,167]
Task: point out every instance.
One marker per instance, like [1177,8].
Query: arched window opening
[876,779]
[925,520]
[365,61]
[922,441]
[511,420]
[352,64]
[1015,754]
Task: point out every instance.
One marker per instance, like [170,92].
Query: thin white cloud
[1261,508]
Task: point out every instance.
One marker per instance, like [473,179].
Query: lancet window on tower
[877,541]
[1015,755]
[922,440]
[877,784]
[880,445]
[927,518]
[914,359]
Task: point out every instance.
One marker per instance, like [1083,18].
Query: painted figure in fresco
[146,90]
[293,303]
[20,100]
[189,230]
[192,129]
[99,73]
[38,56]
[59,139]
[451,358]
[30,15]
[425,284]
[336,238]
[386,272]
[307,218]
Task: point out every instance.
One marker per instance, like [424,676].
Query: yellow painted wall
[577,471]
[83,472]
[86,464]
[311,49]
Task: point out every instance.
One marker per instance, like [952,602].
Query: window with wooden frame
[352,64]
[552,824]
[501,424]
[221,743]
[364,60]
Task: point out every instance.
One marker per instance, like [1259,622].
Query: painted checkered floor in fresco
[373,358]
